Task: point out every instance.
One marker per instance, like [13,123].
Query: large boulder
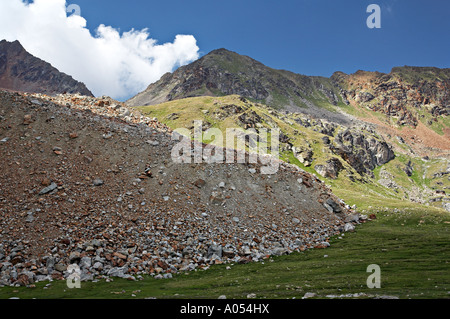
[331,168]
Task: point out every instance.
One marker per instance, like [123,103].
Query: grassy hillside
[306,133]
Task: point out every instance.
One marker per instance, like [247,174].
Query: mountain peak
[14,46]
[21,71]
[224,72]
[220,51]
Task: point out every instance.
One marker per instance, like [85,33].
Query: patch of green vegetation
[437,124]
[323,103]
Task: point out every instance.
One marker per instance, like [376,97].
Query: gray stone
[349,227]
[278,251]
[352,218]
[118,272]
[98,265]
[98,182]
[86,277]
[328,207]
[309,295]
[386,297]
[247,250]
[17,248]
[50,263]
[36,102]
[43,271]
[30,217]
[153,143]
[96,243]
[85,262]
[216,198]
[214,250]
[298,242]
[335,206]
[187,251]
[124,112]
[42,278]
[48,189]
[74,257]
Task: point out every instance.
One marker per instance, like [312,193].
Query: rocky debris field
[88,181]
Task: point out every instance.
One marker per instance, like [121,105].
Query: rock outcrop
[362,152]
[406,95]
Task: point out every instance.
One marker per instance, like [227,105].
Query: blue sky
[313,37]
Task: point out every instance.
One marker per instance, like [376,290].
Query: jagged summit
[21,71]
[223,72]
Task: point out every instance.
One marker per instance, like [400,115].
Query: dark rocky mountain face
[21,71]
[223,72]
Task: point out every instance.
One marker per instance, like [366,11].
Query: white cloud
[108,62]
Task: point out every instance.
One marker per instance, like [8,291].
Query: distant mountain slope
[21,71]
[404,97]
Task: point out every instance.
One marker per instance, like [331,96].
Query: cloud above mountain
[108,62]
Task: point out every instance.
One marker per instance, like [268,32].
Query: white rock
[349,227]
[309,295]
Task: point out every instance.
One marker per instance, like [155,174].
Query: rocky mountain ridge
[223,72]
[21,71]
[405,96]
